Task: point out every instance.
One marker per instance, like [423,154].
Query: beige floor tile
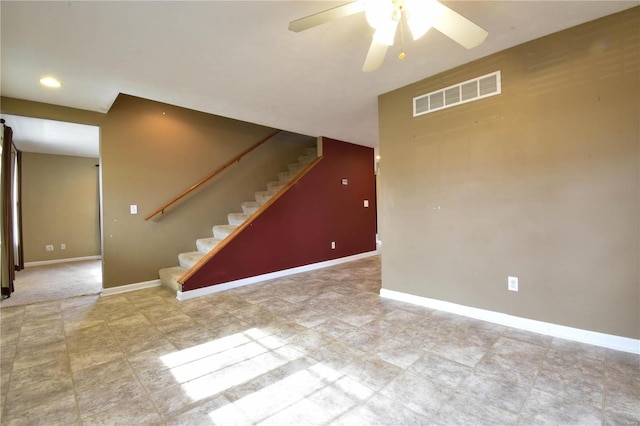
[379,410]
[55,370]
[338,398]
[95,356]
[527,336]
[573,381]
[461,409]
[418,394]
[578,348]
[310,341]
[441,371]
[495,391]
[545,408]
[216,411]
[60,411]
[173,322]
[46,354]
[314,348]
[366,341]
[44,393]
[399,353]
[139,411]
[459,351]
[108,395]
[303,412]
[334,328]
[336,354]
[372,372]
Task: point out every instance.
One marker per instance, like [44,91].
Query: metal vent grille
[467,91]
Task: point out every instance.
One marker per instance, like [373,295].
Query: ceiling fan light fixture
[386,33]
[385,15]
[418,26]
[378,12]
[421,14]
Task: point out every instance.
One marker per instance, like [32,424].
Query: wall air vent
[467,91]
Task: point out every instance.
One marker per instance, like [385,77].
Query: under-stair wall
[151,152]
[300,226]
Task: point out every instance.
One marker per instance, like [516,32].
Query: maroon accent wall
[299,227]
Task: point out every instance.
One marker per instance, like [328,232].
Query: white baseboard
[584,336]
[51,262]
[199,292]
[130,287]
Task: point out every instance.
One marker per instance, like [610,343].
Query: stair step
[285,176]
[276,185]
[305,159]
[169,277]
[205,245]
[250,207]
[296,167]
[237,219]
[187,260]
[264,196]
[222,231]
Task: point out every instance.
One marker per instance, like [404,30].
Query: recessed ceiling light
[50,82]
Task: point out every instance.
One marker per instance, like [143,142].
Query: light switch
[133,208]
[366,203]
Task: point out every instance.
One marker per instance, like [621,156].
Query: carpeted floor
[37,284]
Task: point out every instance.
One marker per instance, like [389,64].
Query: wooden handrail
[211,175]
[245,224]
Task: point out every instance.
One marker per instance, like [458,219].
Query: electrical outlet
[63,246]
[48,247]
[512,283]
[333,245]
[133,208]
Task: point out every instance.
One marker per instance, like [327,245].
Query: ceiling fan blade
[375,57]
[457,27]
[326,16]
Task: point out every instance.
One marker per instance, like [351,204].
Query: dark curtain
[19,251]
[7,260]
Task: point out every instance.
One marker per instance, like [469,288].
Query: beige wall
[148,157]
[540,182]
[59,205]
[151,152]
[48,111]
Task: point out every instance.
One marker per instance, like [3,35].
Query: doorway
[60,202]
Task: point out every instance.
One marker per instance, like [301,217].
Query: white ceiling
[54,137]
[237,58]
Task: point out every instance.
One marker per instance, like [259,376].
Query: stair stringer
[190,261]
[193,271]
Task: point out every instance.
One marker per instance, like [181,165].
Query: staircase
[169,276]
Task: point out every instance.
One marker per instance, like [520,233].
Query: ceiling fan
[385,15]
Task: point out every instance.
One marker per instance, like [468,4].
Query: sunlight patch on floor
[244,361]
[210,368]
[193,353]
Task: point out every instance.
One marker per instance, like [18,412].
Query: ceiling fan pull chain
[403,15]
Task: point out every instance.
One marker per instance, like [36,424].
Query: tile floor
[315,348]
